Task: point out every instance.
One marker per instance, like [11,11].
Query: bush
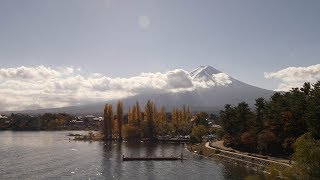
[198,132]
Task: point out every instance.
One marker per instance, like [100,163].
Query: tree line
[147,123]
[286,125]
[46,121]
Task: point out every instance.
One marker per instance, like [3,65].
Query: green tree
[307,157]
[313,110]
[306,88]
[244,117]
[198,132]
[260,110]
[227,117]
[201,119]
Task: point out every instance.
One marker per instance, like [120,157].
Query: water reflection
[45,155]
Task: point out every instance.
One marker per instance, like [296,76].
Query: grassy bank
[87,137]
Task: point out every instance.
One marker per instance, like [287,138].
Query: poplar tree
[162,116]
[129,116]
[148,113]
[108,119]
[174,116]
[119,118]
[188,115]
[138,113]
[184,114]
[134,114]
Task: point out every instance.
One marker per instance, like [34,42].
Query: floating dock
[173,140]
[152,158]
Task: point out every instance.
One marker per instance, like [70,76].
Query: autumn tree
[119,118]
[130,132]
[188,115]
[174,117]
[134,115]
[138,113]
[129,116]
[108,122]
[162,116]
[149,115]
[266,139]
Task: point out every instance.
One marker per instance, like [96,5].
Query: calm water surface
[50,155]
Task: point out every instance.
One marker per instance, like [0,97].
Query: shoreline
[255,163]
[91,136]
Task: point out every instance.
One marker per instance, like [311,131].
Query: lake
[50,155]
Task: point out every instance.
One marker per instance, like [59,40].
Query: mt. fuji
[211,90]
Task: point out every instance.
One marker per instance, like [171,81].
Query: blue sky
[122,38]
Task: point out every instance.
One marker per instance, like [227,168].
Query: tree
[130,132]
[226,118]
[313,110]
[162,115]
[134,115]
[307,157]
[175,117]
[201,119]
[119,118]
[108,122]
[188,115]
[160,121]
[149,115]
[129,116]
[138,113]
[260,110]
[243,118]
[265,139]
[248,141]
[306,88]
[198,132]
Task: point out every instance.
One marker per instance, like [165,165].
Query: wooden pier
[173,140]
[153,158]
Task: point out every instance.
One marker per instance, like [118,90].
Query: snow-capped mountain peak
[203,71]
[209,76]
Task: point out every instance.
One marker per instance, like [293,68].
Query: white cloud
[221,79]
[295,76]
[39,72]
[47,87]
[206,81]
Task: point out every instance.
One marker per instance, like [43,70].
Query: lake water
[50,155]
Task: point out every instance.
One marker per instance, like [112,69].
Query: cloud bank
[292,77]
[47,87]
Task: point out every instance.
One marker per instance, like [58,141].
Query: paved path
[220,145]
[207,145]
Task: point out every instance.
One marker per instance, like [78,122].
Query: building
[88,119]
